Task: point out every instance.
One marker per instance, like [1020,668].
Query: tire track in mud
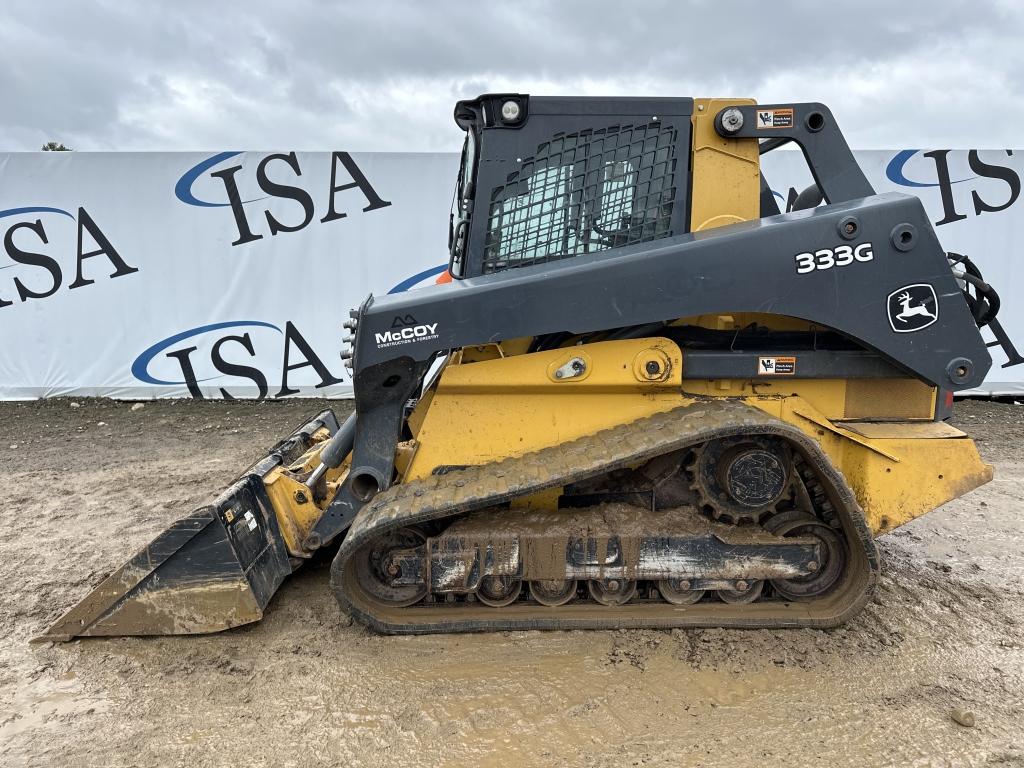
[305,687]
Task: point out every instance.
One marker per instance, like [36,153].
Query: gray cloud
[384,75]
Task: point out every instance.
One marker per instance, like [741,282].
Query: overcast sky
[380,75]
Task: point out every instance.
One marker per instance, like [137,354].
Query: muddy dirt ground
[81,488]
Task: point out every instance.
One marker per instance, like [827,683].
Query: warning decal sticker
[775,118]
[776,366]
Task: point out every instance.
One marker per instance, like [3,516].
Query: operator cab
[548,178]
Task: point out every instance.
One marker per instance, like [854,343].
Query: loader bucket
[211,570]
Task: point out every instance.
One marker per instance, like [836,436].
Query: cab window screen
[584,192]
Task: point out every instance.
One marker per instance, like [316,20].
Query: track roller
[498,591]
[553,593]
[742,594]
[612,592]
[678,592]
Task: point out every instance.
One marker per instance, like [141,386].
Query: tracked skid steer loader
[645,398]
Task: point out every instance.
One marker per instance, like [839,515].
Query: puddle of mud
[46,704]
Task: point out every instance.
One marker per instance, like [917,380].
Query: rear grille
[583,192]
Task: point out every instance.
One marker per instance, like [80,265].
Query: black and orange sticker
[776,366]
[774,118]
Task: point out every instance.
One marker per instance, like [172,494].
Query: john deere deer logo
[912,308]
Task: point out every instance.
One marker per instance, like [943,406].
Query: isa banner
[229,274]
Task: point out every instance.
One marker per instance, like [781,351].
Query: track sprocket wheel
[740,480]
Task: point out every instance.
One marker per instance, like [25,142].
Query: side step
[214,569]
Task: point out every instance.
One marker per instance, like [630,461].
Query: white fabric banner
[141,275]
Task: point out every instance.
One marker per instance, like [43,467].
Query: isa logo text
[221,178]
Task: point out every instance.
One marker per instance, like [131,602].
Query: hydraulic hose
[985,306]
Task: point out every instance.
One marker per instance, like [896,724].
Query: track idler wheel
[742,595]
[498,591]
[376,570]
[553,593]
[833,555]
[612,591]
[678,592]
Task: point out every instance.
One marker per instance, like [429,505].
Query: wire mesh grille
[583,192]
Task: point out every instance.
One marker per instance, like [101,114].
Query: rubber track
[443,496]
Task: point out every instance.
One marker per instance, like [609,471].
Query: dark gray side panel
[748,267]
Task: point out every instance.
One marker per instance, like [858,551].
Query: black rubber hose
[985,307]
[986,292]
[970,266]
